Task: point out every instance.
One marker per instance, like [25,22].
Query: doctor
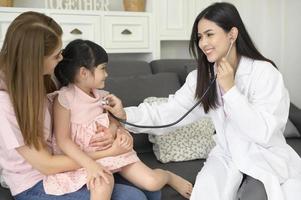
[249,106]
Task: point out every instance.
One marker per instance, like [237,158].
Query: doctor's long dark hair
[226,16]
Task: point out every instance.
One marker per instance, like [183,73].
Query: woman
[31,50]
[248,104]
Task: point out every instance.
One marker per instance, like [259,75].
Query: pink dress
[85,112]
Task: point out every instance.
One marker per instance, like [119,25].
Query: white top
[249,125]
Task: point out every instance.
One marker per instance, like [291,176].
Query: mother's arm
[47,163]
[103,141]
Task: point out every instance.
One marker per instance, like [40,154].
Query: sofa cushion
[295,143]
[128,68]
[190,142]
[141,143]
[133,89]
[173,65]
[190,68]
[295,116]
[290,130]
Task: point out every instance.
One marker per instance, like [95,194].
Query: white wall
[175,49]
[291,52]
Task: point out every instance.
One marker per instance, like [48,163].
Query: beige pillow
[190,142]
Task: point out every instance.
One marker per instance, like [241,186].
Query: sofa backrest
[132,90]
[295,116]
[128,68]
[179,66]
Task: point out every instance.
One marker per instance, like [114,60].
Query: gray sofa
[133,81]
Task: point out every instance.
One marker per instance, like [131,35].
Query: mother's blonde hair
[29,38]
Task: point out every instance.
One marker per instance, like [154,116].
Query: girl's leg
[144,177]
[218,179]
[156,195]
[102,190]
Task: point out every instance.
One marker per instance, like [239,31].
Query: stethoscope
[173,123]
[181,118]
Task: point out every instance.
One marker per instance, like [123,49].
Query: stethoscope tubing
[173,123]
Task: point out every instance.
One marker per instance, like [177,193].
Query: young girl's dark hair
[226,16]
[79,53]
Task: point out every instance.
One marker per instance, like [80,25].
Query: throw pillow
[190,142]
[290,130]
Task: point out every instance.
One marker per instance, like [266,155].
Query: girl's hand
[225,75]
[104,137]
[115,106]
[96,170]
[101,189]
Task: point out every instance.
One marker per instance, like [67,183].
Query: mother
[31,50]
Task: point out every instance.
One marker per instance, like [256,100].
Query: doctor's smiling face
[213,40]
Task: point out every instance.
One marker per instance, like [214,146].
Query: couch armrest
[295,116]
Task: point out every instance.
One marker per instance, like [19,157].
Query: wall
[291,49]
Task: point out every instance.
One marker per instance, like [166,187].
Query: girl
[31,50]
[249,106]
[77,110]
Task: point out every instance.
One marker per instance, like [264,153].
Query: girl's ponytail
[62,73]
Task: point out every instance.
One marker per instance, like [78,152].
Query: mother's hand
[123,142]
[104,137]
[126,138]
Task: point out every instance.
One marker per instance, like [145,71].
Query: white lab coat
[249,133]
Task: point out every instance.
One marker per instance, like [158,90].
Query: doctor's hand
[225,75]
[115,106]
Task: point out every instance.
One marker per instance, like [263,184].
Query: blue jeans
[120,192]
